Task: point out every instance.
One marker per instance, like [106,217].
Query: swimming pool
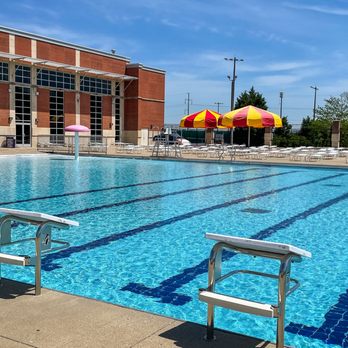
[141,237]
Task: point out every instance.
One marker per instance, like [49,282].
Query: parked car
[172,138]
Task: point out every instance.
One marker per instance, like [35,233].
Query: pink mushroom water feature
[77,128]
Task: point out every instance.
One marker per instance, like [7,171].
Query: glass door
[23,134]
[23,116]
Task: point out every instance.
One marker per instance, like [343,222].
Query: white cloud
[277,80]
[170,23]
[321,9]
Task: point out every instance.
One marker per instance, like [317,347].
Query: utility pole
[281,95]
[218,106]
[188,101]
[315,100]
[233,84]
[233,78]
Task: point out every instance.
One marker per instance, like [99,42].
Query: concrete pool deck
[55,319]
[339,162]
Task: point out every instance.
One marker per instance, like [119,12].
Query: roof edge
[61,43]
[147,68]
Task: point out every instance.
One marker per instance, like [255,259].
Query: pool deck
[55,319]
[340,162]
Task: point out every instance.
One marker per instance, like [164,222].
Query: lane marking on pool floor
[166,290]
[158,196]
[48,261]
[333,330]
[128,186]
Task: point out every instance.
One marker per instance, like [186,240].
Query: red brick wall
[56,53]
[23,46]
[4,42]
[151,85]
[141,113]
[94,61]
[107,111]
[132,87]
[85,108]
[131,114]
[69,109]
[43,108]
[4,104]
[151,113]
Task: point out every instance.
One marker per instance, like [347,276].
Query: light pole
[233,84]
[281,95]
[233,78]
[218,106]
[315,100]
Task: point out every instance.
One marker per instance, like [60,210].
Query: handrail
[43,240]
[214,276]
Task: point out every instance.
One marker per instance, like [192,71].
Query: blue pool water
[141,237]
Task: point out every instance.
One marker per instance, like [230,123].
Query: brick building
[46,85]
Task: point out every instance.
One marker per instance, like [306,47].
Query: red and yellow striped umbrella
[251,116]
[201,119]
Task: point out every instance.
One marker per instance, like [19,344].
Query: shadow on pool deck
[56,319]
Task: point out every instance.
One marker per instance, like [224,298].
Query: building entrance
[23,116]
[23,134]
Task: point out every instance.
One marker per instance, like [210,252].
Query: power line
[218,106]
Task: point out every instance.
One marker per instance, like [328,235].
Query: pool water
[141,237]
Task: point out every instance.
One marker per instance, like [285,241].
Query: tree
[251,97]
[336,108]
[317,132]
[285,130]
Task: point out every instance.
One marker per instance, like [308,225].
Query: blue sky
[286,45]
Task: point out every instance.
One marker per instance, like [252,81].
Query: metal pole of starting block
[38,241]
[214,272]
[284,278]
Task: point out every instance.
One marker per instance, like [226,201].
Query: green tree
[251,97]
[317,132]
[335,108]
[285,130]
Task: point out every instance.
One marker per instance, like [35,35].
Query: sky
[286,46]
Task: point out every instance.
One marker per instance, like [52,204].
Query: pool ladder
[252,248]
[43,238]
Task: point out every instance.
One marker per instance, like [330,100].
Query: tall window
[23,115]
[56,117]
[96,119]
[117,114]
[94,85]
[55,79]
[23,74]
[3,71]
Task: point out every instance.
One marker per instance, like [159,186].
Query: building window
[93,85]
[117,114]
[55,79]
[96,119]
[3,71]
[23,74]
[56,117]
[23,115]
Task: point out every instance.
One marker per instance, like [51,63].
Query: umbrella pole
[77,145]
[248,136]
[232,132]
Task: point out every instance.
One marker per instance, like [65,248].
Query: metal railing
[65,143]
